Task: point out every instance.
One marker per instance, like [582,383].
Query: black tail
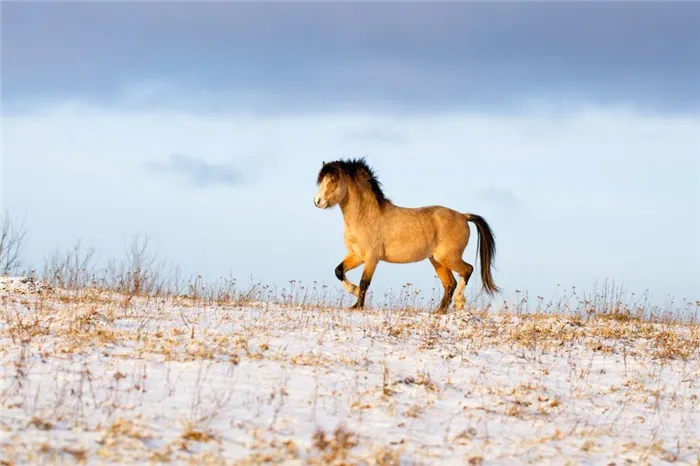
[486,246]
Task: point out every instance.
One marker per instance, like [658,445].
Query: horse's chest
[357,244]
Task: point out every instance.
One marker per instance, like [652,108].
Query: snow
[21,285]
[90,376]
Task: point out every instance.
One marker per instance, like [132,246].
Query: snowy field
[98,378]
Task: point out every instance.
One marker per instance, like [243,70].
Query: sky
[572,127]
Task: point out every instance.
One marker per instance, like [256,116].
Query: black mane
[355,169]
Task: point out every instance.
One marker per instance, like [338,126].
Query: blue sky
[573,127]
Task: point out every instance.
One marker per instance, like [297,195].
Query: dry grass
[133,366]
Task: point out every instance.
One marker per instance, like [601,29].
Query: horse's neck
[358,208]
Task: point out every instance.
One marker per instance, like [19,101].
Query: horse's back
[415,233]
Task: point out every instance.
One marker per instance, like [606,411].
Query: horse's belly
[406,253]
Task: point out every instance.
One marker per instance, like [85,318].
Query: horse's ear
[323,163]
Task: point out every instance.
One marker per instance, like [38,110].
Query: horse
[378,230]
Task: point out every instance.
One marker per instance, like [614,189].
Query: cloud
[502,198]
[418,56]
[199,172]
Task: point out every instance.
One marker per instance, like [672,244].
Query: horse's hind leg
[448,282]
[350,262]
[464,270]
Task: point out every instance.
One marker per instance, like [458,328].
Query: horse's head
[332,186]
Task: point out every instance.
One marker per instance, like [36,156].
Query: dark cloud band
[424,56]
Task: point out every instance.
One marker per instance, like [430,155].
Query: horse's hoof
[440,311]
[352,289]
[356,307]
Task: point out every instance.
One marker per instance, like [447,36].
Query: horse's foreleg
[350,262]
[367,273]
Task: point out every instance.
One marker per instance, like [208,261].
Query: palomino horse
[377,230]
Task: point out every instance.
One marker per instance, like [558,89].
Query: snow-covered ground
[95,377]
